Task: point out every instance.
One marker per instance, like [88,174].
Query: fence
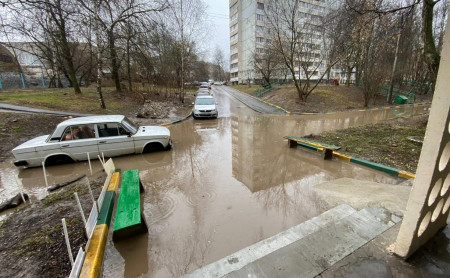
[18,80]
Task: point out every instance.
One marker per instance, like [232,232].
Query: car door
[78,140]
[114,140]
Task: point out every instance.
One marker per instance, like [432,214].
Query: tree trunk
[431,56]
[114,60]
[99,58]
[66,53]
[129,66]
[349,75]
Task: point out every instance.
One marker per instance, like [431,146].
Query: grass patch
[386,144]
[246,88]
[66,100]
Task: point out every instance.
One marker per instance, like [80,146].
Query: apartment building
[249,33]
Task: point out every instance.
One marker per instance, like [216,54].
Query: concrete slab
[316,252]
[261,249]
[361,194]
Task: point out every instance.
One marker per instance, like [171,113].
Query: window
[259,40]
[232,66]
[260,50]
[234,37]
[260,6]
[111,129]
[234,56]
[233,47]
[234,17]
[259,17]
[76,132]
[234,27]
[233,8]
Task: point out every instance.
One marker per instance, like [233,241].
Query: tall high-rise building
[249,34]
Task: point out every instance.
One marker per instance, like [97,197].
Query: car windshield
[129,125]
[204,101]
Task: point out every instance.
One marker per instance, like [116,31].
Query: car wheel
[153,147]
[58,160]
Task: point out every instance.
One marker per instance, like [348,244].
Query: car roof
[205,97]
[93,120]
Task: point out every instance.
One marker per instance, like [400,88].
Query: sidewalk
[254,104]
[12,107]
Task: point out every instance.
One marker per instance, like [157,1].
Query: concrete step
[316,252]
[307,249]
[265,247]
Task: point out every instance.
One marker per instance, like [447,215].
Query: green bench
[129,219]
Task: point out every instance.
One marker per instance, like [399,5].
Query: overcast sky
[220,35]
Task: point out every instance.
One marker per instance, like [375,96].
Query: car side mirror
[129,134]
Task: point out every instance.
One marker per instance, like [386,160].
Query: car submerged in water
[108,136]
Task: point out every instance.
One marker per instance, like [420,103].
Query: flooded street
[226,184]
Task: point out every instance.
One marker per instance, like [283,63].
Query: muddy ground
[385,143]
[32,241]
[324,99]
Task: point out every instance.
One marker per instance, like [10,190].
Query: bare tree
[297,39]
[430,53]
[219,64]
[48,24]
[188,18]
[267,62]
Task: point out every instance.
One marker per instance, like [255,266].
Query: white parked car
[205,106]
[73,139]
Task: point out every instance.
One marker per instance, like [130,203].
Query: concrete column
[429,202]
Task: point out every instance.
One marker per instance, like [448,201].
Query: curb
[388,107]
[178,121]
[92,266]
[319,147]
[270,104]
[311,142]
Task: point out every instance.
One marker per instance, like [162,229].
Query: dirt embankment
[385,143]
[16,128]
[31,240]
[324,99]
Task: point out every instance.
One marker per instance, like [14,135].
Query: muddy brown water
[226,184]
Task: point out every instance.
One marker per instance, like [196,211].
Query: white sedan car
[73,139]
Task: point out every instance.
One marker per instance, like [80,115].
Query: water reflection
[134,250]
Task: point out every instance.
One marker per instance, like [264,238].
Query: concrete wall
[429,202]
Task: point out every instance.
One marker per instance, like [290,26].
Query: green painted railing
[266,88]
[398,92]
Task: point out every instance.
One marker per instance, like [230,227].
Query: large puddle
[226,184]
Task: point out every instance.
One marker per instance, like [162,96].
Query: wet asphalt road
[226,184]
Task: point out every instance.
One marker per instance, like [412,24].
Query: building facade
[249,35]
